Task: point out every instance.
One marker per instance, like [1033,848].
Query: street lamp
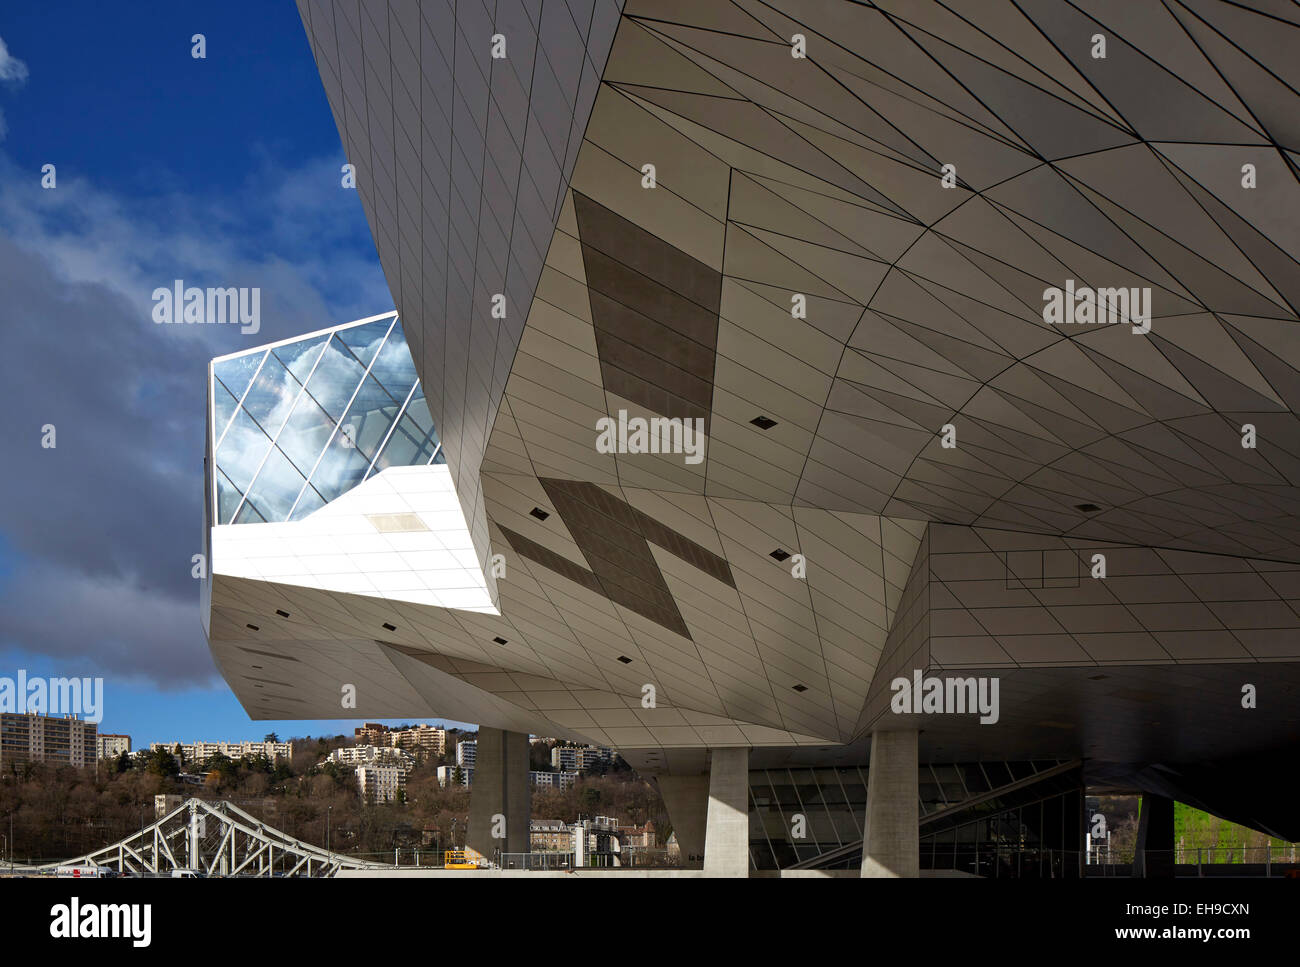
[327,828]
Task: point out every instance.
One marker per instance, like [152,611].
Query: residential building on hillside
[380,782]
[579,757]
[447,775]
[196,753]
[362,754]
[110,745]
[63,740]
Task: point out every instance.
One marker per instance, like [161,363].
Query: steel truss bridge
[214,839]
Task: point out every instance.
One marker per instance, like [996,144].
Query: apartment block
[111,745]
[63,740]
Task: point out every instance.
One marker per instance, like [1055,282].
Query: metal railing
[553,860]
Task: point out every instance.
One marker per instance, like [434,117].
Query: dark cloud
[101,528]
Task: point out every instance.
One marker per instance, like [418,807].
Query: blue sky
[219,171]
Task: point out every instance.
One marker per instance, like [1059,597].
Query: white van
[87,872]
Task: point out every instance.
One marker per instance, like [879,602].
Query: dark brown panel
[655,311]
[552,561]
[612,535]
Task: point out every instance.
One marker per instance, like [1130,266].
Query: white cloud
[11,68]
[102,528]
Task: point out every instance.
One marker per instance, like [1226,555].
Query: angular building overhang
[841,269]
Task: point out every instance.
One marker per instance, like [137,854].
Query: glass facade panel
[1033,830]
[248,515]
[276,487]
[228,497]
[314,421]
[308,501]
[306,434]
[394,367]
[341,468]
[223,408]
[408,446]
[238,371]
[271,396]
[243,450]
[336,378]
[299,357]
[365,340]
[370,416]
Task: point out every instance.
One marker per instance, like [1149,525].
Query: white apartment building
[200,752]
[421,740]
[111,746]
[578,758]
[446,774]
[467,752]
[354,755]
[383,782]
[553,780]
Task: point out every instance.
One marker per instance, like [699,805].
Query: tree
[163,763]
[589,799]
[271,737]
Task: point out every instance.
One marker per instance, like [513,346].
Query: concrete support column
[1154,855]
[499,797]
[687,801]
[891,846]
[726,833]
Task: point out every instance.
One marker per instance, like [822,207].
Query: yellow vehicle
[458,859]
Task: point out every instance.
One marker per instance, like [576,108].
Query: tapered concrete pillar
[726,832]
[687,801]
[1153,856]
[891,846]
[499,795]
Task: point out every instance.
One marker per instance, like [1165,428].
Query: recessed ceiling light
[763,422]
[801,688]
[780,554]
[282,614]
[625,660]
[1087,508]
[500,641]
[254,627]
[539,513]
[388,627]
